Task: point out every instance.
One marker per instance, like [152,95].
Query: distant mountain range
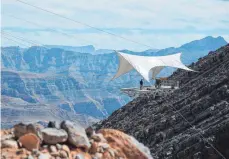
[82,49]
[76,79]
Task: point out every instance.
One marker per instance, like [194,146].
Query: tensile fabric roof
[148,66]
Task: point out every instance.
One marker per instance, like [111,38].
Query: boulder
[9,144]
[58,146]
[54,124]
[90,131]
[30,141]
[44,150]
[7,137]
[12,153]
[66,149]
[63,154]
[51,124]
[53,148]
[55,154]
[22,129]
[104,146]
[98,137]
[35,129]
[35,152]
[44,156]
[78,154]
[112,153]
[94,148]
[98,155]
[76,135]
[22,151]
[30,157]
[54,136]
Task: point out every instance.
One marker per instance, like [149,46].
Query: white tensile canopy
[148,66]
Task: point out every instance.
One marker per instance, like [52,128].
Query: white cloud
[194,19]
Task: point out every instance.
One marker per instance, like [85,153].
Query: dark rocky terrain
[190,123]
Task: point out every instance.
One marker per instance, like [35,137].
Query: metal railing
[170,83]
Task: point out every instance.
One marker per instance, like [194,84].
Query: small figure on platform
[157,83]
[141,84]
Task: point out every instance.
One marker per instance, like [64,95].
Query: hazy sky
[157,23]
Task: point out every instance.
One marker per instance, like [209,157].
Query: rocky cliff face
[71,81]
[192,122]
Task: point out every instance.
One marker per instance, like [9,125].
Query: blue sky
[157,23]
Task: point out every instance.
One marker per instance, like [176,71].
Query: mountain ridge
[171,126]
[206,42]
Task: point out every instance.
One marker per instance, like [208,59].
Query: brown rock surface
[30,141]
[122,144]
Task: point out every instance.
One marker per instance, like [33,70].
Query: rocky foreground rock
[190,123]
[69,141]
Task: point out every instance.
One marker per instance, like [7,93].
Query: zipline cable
[84,24]
[14,41]
[23,39]
[201,131]
[52,29]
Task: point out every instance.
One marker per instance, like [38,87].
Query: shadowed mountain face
[73,81]
[187,122]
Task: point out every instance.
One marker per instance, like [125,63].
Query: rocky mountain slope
[74,82]
[69,141]
[191,122]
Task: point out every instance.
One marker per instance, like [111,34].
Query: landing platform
[148,91]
